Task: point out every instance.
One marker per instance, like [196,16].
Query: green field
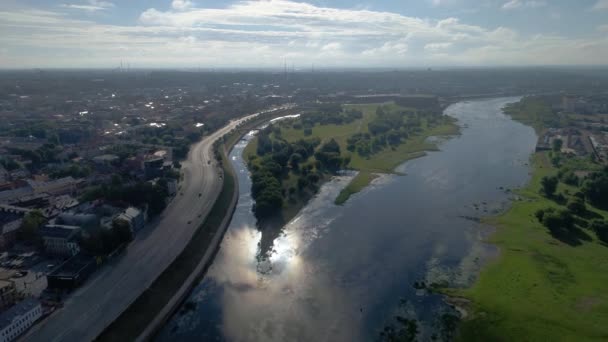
[539,288]
[384,161]
[537,113]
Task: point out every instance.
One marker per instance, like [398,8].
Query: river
[342,273]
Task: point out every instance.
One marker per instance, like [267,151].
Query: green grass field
[539,288]
[383,162]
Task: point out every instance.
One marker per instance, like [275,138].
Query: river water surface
[341,273]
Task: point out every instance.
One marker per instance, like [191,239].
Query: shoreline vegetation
[290,160]
[549,281]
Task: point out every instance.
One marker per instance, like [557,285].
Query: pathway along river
[343,273]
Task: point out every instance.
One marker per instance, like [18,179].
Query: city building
[8,233]
[4,175]
[105,159]
[600,145]
[60,240]
[61,186]
[10,222]
[14,195]
[8,293]
[153,167]
[85,221]
[172,186]
[135,217]
[568,104]
[72,273]
[16,320]
[105,162]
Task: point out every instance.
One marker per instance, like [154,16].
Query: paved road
[104,297]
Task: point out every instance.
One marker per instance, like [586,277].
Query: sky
[324,33]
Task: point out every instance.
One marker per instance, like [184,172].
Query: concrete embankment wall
[182,293]
[193,279]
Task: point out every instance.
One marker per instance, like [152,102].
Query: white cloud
[515,4]
[603,28]
[258,33]
[90,5]
[601,5]
[331,47]
[438,3]
[433,47]
[181,5]
[388,49]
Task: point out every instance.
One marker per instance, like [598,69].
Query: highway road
[113,288]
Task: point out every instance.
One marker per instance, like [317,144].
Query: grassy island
[549,282]
[290,159]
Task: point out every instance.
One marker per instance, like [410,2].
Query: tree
[123,231]
[9,164]
[600,227]
[30,226]
[302,183]
[595,188]
[558,221]
[577,206]
[264,144]
[549,185]
[557,145]
[569,178]
[331,146]
[313,178]
[540,213]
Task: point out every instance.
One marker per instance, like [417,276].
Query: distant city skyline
[326,33]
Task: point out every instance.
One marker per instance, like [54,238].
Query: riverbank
[541,287]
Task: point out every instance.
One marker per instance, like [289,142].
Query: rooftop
[73,266]
[19,309]
[58,231]
[81,220]
[6,283]
[11,226]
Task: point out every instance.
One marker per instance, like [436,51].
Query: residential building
[61,186]
[8,293]
[172,186]
[16,320]
[83,220]
[105,162]
[4,175]
[8,233]
[153,167]
[568,104]
[60,240]
[13,195]
[106,159]
[71,273]
[135,217]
